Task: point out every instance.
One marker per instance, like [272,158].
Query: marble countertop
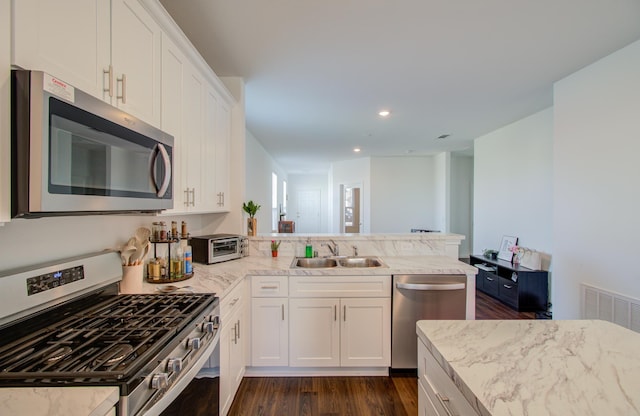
[222,277]
[53,401]
[539,367]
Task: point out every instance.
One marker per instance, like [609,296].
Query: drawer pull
[233,302]
[335,313]
[445,402]
[344,313]
[269,287]
[508,287]
[283,311]
[490,279]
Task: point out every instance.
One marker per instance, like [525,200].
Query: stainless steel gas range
[64,324]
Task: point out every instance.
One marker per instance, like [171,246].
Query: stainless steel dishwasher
[417,297]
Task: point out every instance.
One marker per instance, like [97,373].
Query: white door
[135,56]
[365,336]
[269,332]
[68,39]
[308,215]
[314,338]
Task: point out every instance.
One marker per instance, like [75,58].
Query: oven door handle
[164,186]
[161,399]
[431,286]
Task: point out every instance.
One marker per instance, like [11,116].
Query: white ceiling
[318,71]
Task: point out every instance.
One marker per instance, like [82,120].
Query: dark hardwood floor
[396,395]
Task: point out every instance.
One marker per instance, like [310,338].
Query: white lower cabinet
[232,341]
[352,331]
[269,321]
[437,393]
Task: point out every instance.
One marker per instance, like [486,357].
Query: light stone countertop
[222,277]
[58,401]
[539,367]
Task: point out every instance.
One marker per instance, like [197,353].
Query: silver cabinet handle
[489,279]
[508,287]
[445,402]
[109,88]
[238,328]
[123,97]
[344,313]
[283,311]
[269,287]
[186,197]
[233,302]
[431,286]
[193,197]
[335,312]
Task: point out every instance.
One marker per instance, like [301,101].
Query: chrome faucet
[355,251]
[335,250]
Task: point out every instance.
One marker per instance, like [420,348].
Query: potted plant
[274,248]
[251,208]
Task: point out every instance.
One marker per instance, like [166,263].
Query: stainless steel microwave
[209,249]
[74,154]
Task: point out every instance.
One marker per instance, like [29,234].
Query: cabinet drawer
[232,301]
[508,291]
[340,286]
[269,286]
[443,394]
[490,283]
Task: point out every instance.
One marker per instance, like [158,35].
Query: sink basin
[329,262]
[314,262]
[360,262]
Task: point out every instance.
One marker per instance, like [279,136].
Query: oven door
[75,153]
[225,249]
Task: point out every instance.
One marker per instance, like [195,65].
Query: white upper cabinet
[135,57]
[110,49]
[222,156]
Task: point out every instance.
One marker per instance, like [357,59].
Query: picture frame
[508,241]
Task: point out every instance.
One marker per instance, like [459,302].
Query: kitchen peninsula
[539,367]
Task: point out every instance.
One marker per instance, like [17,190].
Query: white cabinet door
[209,199]
[227,339]
[365,335]
[69,39]
[135,56]
[314,339]
[222,156]
[174,67]
[269,332]
[192,143]
[5,110]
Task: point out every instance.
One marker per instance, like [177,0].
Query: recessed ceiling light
[384,113]
[356,149]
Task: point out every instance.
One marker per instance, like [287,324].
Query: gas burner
[58,354]
[113,355]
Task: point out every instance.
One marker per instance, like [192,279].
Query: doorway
[351,207]
[308,214]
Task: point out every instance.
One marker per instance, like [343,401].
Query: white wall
[513,183]
[596,200]
[461,206]
[259,166]
[298,183]
[442,187]
[402,194]
[351,172]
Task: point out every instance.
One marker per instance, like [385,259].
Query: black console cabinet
[521,288]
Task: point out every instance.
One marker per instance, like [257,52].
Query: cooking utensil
[143,234]
[125,254]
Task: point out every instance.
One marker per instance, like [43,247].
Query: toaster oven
[209,249]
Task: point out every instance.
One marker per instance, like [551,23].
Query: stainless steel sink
[329,262]
[360,262]
[314,262]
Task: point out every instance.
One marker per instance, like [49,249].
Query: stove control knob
[174,364]
[160,381]
[194,343]
[209,327]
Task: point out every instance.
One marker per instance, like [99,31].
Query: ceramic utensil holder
[131,279]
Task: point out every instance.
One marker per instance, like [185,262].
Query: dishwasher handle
[431,286]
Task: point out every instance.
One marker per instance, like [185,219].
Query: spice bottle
[188,260]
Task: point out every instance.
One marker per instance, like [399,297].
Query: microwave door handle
[162,189]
